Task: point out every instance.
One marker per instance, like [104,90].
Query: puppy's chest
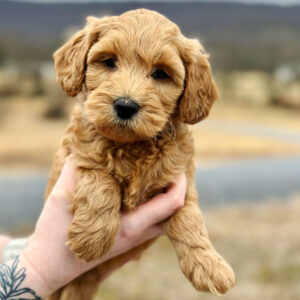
[143,173]
[141,169]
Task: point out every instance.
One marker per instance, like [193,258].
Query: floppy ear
[200,88]
[70,59]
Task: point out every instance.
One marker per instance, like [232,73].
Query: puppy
[139,82]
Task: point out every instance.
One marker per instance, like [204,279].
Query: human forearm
[19,280]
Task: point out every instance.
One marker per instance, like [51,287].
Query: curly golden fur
[123,163]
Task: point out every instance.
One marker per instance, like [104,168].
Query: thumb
[66,180]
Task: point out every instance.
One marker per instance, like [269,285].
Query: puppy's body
[141,169]
[127,154]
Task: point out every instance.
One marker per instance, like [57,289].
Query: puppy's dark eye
[159,74]
[110,63]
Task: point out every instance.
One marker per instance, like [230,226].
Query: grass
[261,242]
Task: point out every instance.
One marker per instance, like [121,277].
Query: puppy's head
[137,71]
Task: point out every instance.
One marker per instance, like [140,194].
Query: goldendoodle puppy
[139,82]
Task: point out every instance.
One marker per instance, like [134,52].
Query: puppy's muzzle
[125,108]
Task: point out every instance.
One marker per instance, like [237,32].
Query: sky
[278,2]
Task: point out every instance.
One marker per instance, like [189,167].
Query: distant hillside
[238,36]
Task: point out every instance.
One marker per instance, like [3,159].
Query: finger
[123,245]
[161,206]
[150,233]
[66,180]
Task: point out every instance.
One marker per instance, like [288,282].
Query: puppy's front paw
[88,245]
[208,271]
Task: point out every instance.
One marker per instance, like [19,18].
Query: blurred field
[214,142]
[261,242]
[255,59]
[28,139]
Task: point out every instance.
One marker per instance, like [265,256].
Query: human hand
[47,255]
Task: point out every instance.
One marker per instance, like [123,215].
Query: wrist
[47,263]
[35,280]
[20,281]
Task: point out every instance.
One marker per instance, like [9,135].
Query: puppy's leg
[96,209]
[56,295]
[198,259]
[82,288]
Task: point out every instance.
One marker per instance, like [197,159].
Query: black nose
[125,108]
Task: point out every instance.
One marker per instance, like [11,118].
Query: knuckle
[177,202]
[128,232]
[59,195]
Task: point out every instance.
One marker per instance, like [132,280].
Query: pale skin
[48,262]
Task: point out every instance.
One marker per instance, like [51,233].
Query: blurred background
[247,151]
